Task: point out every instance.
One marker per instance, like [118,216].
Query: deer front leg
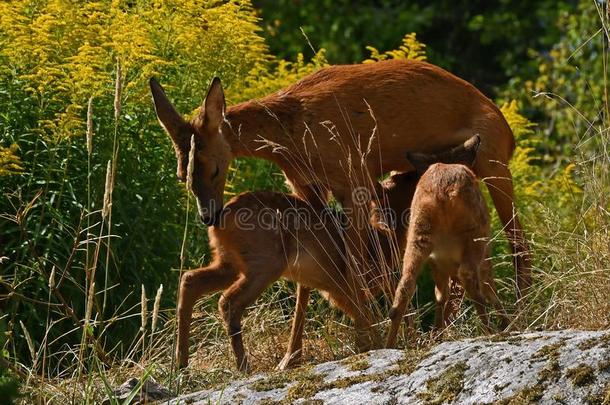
[295,345]
[193,285]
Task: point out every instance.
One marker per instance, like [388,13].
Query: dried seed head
[191,165]
[156,308]
[90,126]
[28,339]
[108,190]
[144,310]
[118,87]
[89,309]
[52,279]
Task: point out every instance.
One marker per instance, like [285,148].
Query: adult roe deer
[262,236]
[450,225]
[343,127]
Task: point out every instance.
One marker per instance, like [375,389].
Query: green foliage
[485,42]
[411,48]
[54,57]
[568,95]
[534,186]
[9,386]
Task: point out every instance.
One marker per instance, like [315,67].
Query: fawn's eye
[216,172]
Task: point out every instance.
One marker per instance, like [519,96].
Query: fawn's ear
[170,119]
[213,109]
[464,154]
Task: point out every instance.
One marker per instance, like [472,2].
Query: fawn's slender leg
[295,345]
[418,250]
[468,275]
[355,305]
[233,303]
[193,285]
[441,293]
[456,296]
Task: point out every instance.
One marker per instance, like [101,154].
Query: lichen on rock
[509,369]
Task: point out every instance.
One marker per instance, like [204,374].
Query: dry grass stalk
[28,339]
[191,165]
[89,309]
[90,126]
[108,190]
[118,87]
[156,307]
[144,310]
[52,279]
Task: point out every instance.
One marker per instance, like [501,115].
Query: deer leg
[456,296]
[193,285]
[295,345]
[355,306]
[499,182]
[468,276]
[441,293]
[417,251]
[233,303]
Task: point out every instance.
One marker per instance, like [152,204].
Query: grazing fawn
[262,236]
[338,128]
[449,225]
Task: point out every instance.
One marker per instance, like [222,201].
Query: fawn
[450,225]
[262,236]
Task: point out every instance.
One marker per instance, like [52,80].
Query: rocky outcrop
[563,367]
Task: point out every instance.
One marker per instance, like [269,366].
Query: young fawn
[450,225]
[262,236]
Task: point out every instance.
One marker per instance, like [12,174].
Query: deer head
[212,152]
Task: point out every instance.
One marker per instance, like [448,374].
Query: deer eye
[216,172]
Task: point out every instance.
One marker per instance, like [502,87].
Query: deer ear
[421,161]
[213,110]
[170,119]
[464,154]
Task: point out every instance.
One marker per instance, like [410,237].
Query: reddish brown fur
[250,256]
[319,131]
[450,225]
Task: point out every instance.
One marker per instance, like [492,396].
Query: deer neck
[254,128]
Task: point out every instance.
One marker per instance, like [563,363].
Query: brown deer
[450,225]
[341,128]
[262,236]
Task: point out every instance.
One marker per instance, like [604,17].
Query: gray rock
[148,391]
[562,367]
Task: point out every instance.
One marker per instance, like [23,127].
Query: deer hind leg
[193,285]
[233,303]
[295,345]
[342,292]
[498,179]
[469,277]
[441,294]
[417,251]
[456,296]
